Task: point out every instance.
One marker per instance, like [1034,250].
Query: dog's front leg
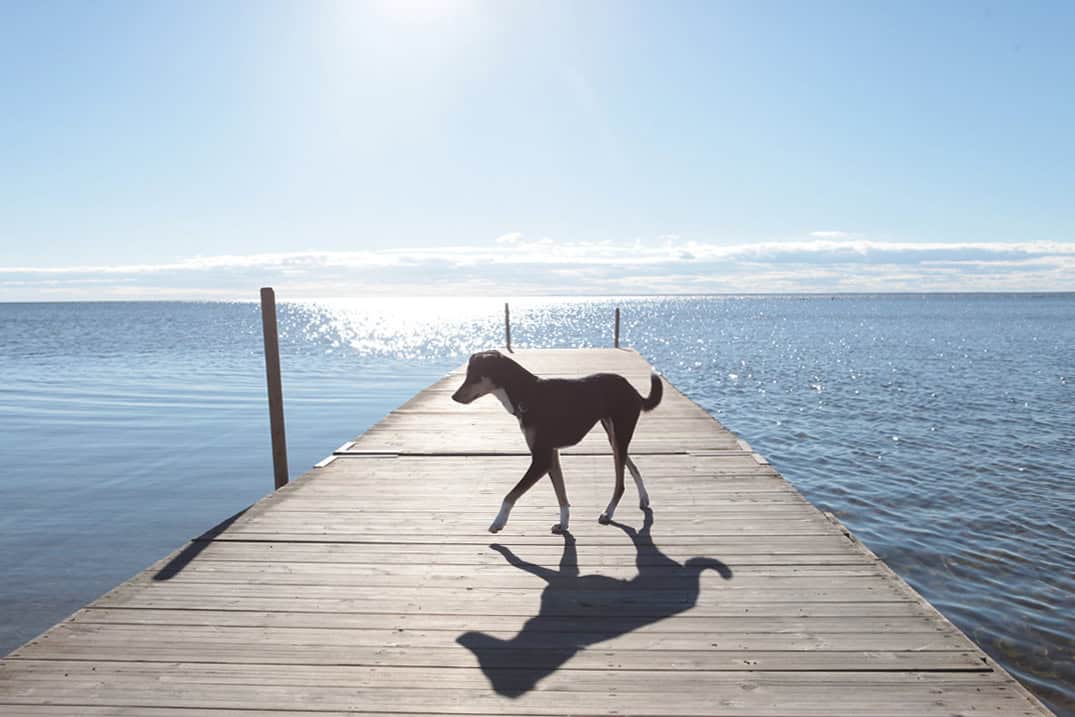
[557,477]
[539,465]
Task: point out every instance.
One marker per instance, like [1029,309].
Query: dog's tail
[656,391]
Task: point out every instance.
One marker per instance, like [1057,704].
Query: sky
[200,150]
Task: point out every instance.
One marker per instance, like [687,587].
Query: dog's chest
[502,396]
[528,431]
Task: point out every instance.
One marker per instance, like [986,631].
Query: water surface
[938,428]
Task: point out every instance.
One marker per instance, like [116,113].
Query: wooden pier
[371,586]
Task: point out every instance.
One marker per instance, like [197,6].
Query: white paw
[501,518]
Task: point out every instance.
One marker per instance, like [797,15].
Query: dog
[555,413]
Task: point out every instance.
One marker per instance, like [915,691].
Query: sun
[419,11]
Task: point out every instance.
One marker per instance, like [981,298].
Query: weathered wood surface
[363,587]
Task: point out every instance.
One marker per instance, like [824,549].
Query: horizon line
[501,298]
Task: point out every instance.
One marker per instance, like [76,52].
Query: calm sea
[939,428]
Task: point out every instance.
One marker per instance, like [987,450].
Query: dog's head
[483,376]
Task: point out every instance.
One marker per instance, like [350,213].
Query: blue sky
[200,150]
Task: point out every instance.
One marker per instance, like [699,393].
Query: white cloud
[831,235]
[514,263]
[545,250]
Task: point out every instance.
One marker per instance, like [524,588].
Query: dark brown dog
[554,413]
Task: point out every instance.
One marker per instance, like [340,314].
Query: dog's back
[566,409]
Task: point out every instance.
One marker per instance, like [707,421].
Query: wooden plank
[451,553]
[743,553]
[522,658]
[639,601]
[811,700]
[912,622]
[328,689]
[136,640]
[663,576]
[451,678]
[299,601]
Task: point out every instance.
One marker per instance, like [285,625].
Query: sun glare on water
[413,328]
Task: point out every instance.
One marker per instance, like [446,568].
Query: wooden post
[507,327]
[276,392]
[617,340]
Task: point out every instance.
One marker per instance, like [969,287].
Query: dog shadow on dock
[578,611]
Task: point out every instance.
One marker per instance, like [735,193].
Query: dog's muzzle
[465,394]
[471,390]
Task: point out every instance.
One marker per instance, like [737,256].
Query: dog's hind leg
[557,477]
[617,491]
[540,461]
[643,496]
[618,456]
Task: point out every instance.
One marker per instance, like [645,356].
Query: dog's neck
[515,387]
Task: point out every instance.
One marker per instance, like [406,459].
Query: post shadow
[578,611]
[185,556]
